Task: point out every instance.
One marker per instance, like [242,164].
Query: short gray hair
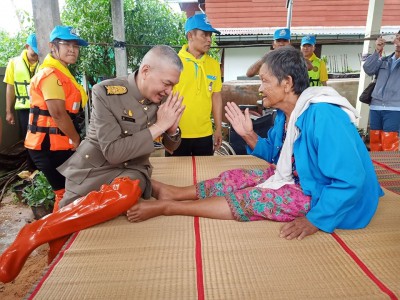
[288,61]
[163,53]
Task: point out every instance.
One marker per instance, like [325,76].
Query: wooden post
[117,14]
[46,15]
[372,31]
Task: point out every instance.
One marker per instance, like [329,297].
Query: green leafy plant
[11,45]
[17,188]
[39,192]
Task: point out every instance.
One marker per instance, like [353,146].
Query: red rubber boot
[94,208]
[375,141]
[390,141]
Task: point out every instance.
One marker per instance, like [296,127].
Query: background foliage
[11,46]
[147,22]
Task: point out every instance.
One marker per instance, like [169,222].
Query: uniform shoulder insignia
[115,89]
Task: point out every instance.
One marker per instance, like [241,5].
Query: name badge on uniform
[128,119]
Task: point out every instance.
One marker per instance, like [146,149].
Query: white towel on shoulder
[283,173]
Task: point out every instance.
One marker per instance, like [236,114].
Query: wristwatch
[176,133]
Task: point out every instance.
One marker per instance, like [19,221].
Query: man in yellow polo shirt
[200,84]
[318,74]
[18,75]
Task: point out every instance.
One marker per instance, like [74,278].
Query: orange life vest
[40,121]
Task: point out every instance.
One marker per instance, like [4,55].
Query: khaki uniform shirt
[118,141]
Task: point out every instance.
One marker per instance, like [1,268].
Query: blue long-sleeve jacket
[386,92]
[333,165]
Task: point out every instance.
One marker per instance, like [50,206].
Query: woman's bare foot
[145,210]
[162,191]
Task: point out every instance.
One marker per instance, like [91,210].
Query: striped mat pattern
[387,167]
[195,258]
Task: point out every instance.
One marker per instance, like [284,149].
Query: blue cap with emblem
[67,33]
[31,41]
[199,21]
[308,39]
[282,34]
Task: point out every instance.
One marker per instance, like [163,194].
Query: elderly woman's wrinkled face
[272,91]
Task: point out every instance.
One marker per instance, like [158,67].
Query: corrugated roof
[337,30]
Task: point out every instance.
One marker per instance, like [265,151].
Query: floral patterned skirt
[250,203]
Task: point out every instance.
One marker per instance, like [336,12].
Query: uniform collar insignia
[115,89]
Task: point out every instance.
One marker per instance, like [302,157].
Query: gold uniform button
[126,131]
[87,156]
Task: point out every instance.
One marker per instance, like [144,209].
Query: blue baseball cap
[67,33]
[308,39]
[282,34]
[199,21]
[31,41]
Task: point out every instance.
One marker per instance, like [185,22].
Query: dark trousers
[195,147]
[47,161]
[23,118]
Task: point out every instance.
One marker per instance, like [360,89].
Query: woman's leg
[162,191]
[227,182]
[214,208]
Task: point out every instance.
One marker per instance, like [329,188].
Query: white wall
[352,52]
[342,58]
[238,60]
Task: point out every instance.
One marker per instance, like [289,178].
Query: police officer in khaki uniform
[110,169]
[126,118]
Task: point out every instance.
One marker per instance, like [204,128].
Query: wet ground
[13,216]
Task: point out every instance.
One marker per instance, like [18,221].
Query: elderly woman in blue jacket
[385,104]
[320,175]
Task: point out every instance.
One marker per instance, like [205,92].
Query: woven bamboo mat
[212,166]
[250,261]
[252,255]
[166,258]
[378,245]
[119,260]
[389,158]
[387,167]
